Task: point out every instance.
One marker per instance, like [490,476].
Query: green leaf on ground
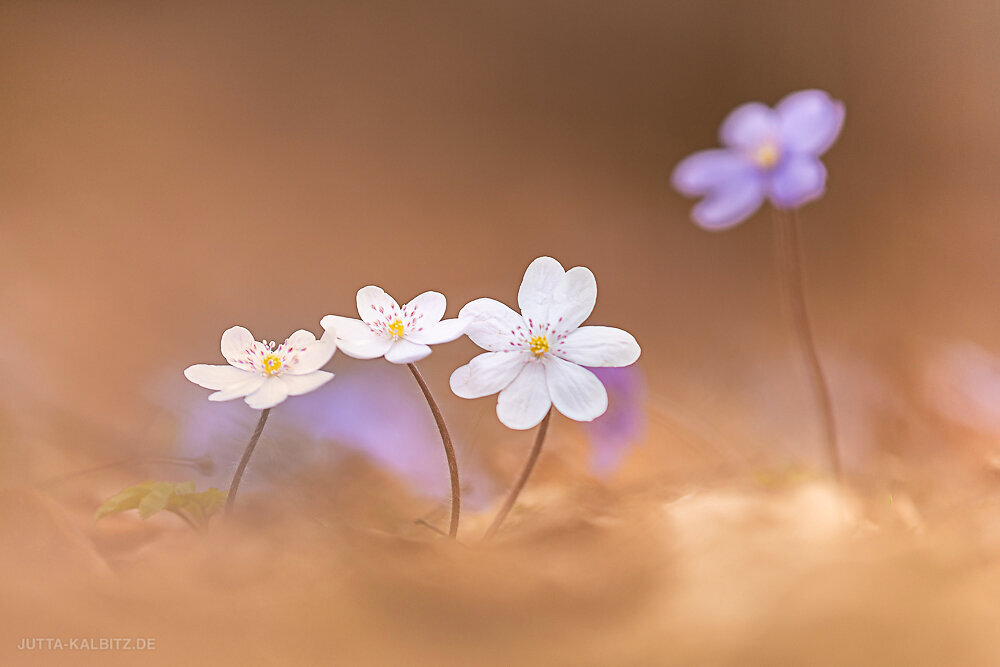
[181,498]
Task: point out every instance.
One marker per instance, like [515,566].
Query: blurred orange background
[165,173]
[170,170]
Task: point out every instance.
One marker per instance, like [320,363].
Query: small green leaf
[127,499]
[156,499]
[198,506]
[184,487]
[181,498]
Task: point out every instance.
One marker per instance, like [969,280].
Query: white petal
[486,374]
[405,352]
[599,346]
[235,342]
[301,338]
[316,354]
[374,304]
[490,324]
[303,384]
[575,391]
[345,328]
[249,385]
[524,402]
[272,392]
[371,347]
[538,286]
[355,337]
[215,377]
[573,299]
[429,307]
[444,331]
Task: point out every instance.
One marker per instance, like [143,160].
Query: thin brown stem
[449,450]
[231,496]
[188,520]
[522,479]
[425,524]
[786,229]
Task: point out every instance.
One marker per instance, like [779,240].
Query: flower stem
[529,465]
[188,520]
[449,451]
[430,526]
[231,496]
[786,230]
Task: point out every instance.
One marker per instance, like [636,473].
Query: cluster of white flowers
[535,360]
[539,359]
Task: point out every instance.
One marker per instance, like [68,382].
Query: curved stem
[449,451]
[430,526]
[231,496]
[529,465]
[188,520]
[793,287]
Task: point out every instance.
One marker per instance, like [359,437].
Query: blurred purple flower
[375,413]
[622,425]
[769,154]
[962,384]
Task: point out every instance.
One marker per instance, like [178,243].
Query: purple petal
[962,384]
[810,121]
[617,430]
[797,180]
[730,205]
[748,126]
[375,412]
[702,172]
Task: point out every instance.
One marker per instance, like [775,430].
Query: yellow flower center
[539,345]
[766,155]
[272,364]
[396,328]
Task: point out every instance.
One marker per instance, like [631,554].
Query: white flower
[401,335]
[266,373]
[536,359]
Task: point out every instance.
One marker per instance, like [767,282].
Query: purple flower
[376,413]
[769,153]
[613,433]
